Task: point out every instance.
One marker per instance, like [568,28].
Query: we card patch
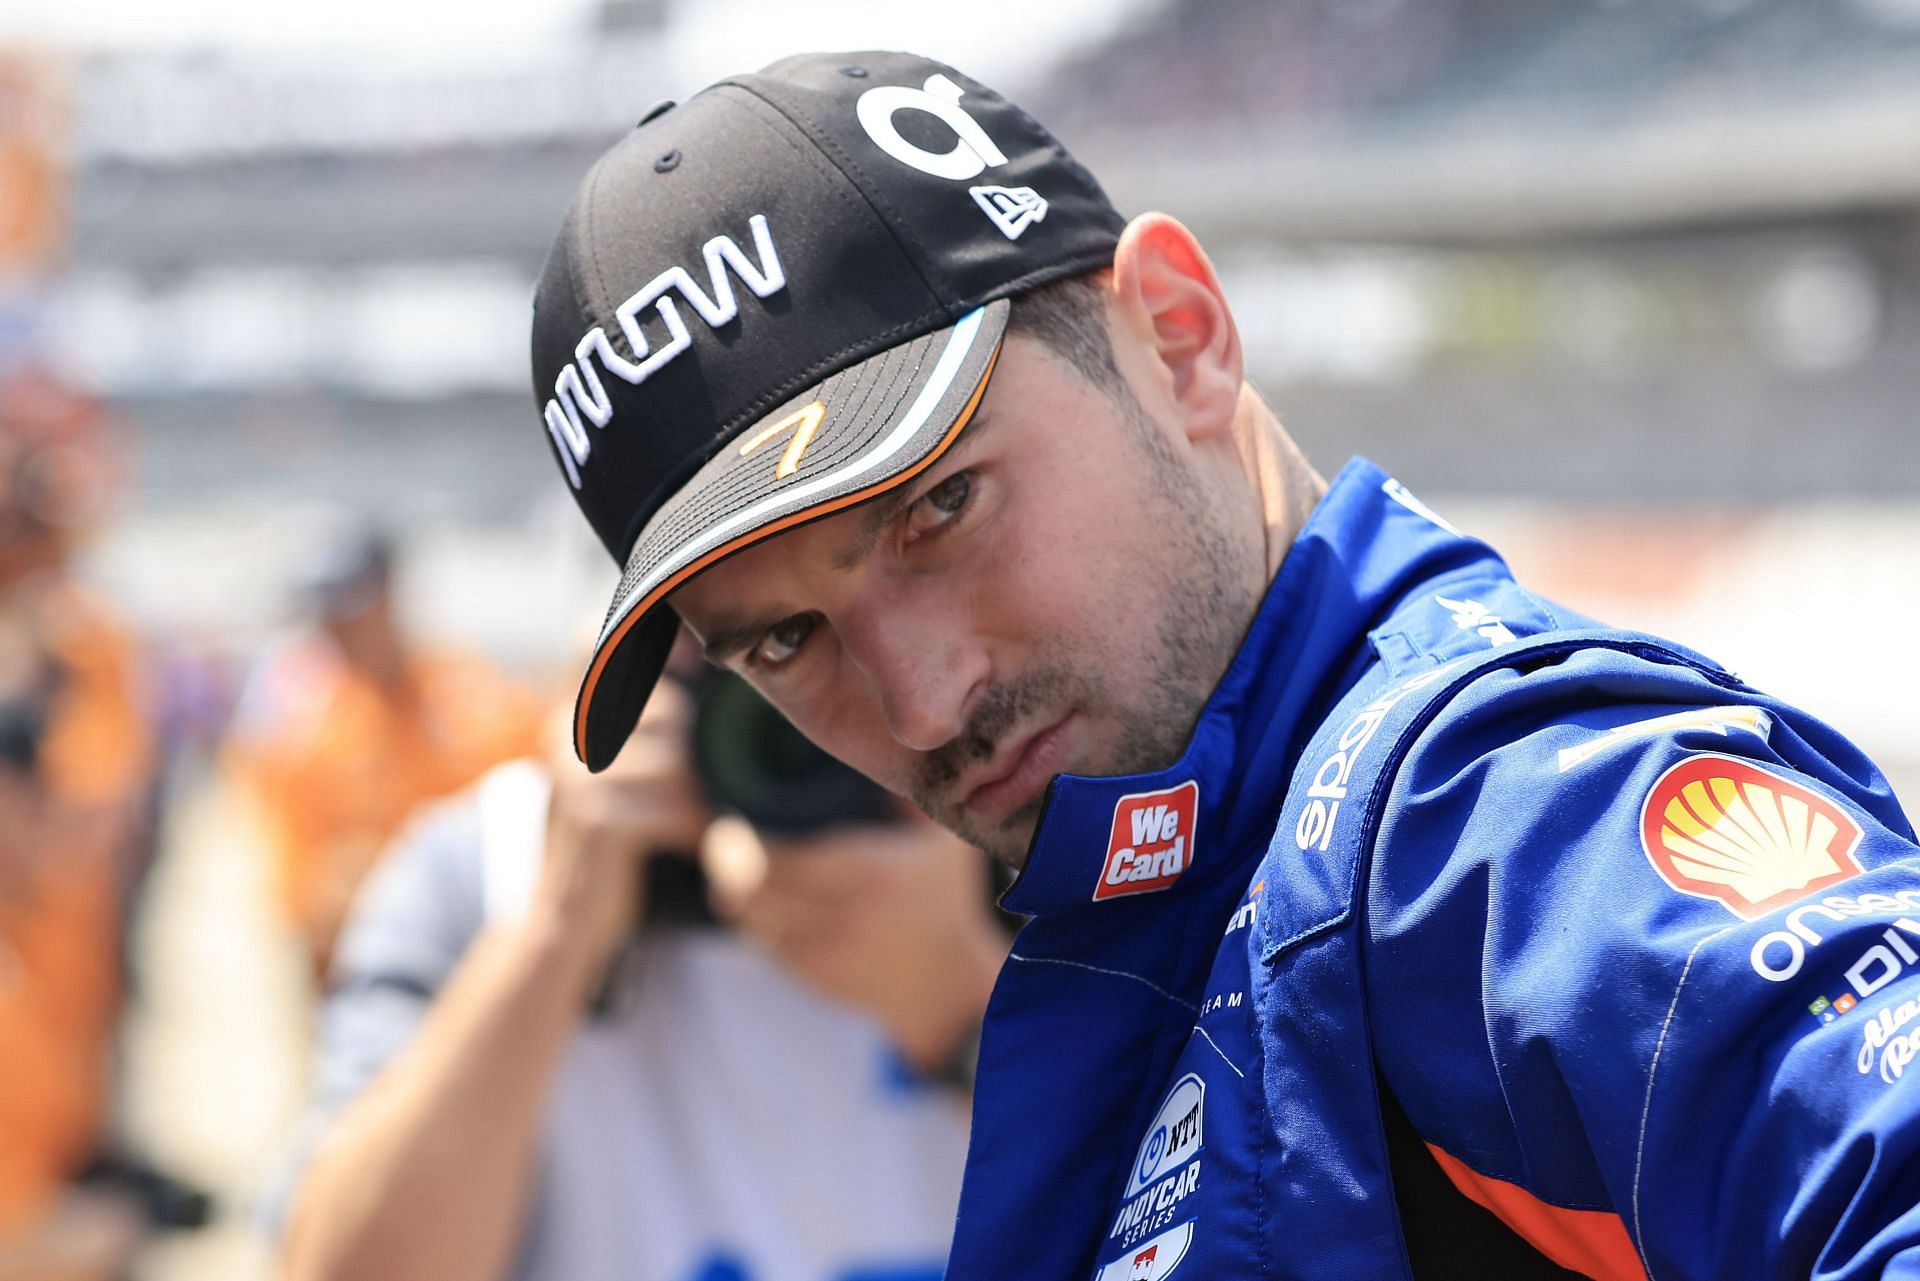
[1152,841]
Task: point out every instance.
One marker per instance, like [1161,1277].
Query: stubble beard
[1208,599]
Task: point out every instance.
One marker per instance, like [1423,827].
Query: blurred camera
[754,763]
[23,727]
[168,1203]
[30,678]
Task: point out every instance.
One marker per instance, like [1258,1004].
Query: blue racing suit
[1627,949]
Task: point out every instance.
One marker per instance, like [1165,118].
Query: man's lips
[1008,783]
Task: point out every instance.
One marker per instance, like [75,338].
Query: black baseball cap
[776,300]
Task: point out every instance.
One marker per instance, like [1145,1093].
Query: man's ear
[1167,299]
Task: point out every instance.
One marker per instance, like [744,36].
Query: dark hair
[1070,317]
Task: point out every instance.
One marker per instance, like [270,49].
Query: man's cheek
[856,733]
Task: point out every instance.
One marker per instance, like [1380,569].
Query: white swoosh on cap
[959,343]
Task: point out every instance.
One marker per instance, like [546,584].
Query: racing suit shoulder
[1633,928]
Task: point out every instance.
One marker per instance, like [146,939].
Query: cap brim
[865,430]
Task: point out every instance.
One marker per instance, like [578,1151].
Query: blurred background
[1631,287]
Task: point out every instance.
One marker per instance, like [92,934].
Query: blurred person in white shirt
[516,1084]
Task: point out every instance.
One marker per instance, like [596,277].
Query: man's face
[1057,594]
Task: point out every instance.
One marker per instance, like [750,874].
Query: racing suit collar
[1360,551]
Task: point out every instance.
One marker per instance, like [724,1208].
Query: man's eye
[782,641]
[940,504]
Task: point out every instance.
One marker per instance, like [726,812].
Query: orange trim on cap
[768,530]
[1591,1242]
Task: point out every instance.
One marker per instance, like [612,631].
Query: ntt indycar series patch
[1468,937]
[1165,1173]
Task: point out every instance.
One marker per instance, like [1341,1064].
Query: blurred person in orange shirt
[77,769]
[57,469]
[341,733]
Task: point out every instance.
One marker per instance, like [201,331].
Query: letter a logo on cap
[1152,841]
[972,154]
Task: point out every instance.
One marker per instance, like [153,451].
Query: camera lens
[757,765]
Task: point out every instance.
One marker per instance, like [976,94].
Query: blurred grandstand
[1657,259]
[1628,250]
[1644,251]
[1660,257]
[1482,120]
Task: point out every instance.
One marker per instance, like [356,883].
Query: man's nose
[925,668]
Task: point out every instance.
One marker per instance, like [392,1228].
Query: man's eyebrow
[879,514]
[881,511]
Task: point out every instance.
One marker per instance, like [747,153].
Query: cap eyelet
[858,73]
[669,161]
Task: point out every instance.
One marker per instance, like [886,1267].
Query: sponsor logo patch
[1718,720]
[1401,494]
[1153,1260]
[1248,912]
[1778,956]
[1827,1011]
[803,423]
[1152,841]
[1883,1042]
[580,399]
[1471,616]
[1328,790]
[972,152]
[1012,209]
[1175,1134]
[1725,829]
[1166,1169]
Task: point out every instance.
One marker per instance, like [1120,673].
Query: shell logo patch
[1725,829]
[1152,841]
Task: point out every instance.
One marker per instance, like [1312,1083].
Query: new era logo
[1013,209]
[1152,841]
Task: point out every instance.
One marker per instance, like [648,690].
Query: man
[1371,893]
[760,1103]
[342,733]
[59,985]
[77,763]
